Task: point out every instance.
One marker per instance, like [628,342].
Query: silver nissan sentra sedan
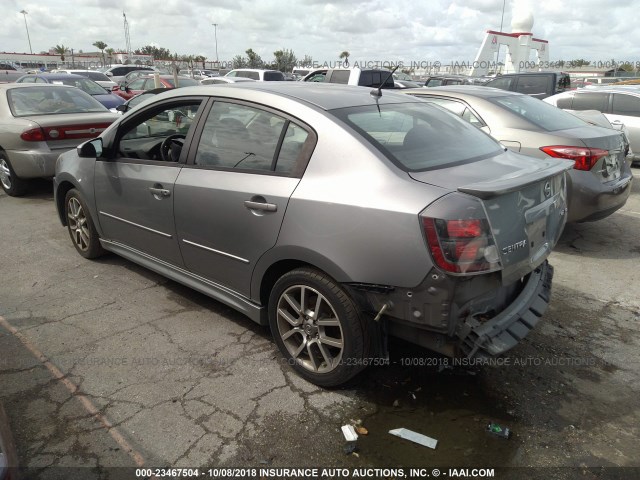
[337,215]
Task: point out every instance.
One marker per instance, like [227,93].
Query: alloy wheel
[5,174]
[77,222]
[310,329]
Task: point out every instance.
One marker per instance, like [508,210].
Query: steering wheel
[166,150]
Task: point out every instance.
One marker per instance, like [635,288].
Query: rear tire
[11,184]
[81,228]
[317,327]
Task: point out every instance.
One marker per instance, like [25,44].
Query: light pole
[504,3]
[215,33]
[24,12]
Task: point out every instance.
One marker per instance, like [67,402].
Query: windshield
[539,113]
[50,100]
[83,84]
[419,136]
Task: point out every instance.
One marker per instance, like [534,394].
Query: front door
[135,187]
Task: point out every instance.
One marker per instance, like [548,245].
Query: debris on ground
[362,431]
[349,433]
[396,403]
[414,437]
[498,430]
[350,448]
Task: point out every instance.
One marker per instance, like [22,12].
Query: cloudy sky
[374,30]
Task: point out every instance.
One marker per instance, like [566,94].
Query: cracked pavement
[184,381]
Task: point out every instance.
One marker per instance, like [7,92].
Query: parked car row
[438,233]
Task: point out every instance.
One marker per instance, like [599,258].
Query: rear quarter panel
[355,215]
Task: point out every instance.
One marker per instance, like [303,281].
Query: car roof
[55,76]
[633,89]
[322,95]
[463,90]
[254,70]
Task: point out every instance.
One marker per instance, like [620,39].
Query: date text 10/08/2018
[323,473]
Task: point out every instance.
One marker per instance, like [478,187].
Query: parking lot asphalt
[104,364]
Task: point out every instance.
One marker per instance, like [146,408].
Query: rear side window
[532,84]
[565,102]
[590,101]
[434,82]
[539,113]
[247,74]
[273,76]
[374,78]
[456,107]
[626,105]
[246,138]
[340,76]
[419,136]
[502,83]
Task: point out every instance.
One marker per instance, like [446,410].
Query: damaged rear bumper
[450,318]
[508,328]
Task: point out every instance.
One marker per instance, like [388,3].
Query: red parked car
[147,82]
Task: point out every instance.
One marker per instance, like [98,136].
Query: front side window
[419,136]
[246,138]
[158,134]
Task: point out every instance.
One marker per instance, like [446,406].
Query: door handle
[159,192]
[267,207]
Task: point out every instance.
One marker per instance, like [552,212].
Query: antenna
[378,92]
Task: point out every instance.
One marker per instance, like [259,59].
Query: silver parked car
[37,123]
[620,104]
[600,181]
[335,215]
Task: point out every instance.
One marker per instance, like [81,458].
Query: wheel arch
[275,263]
[61,192]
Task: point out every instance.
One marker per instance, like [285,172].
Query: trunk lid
[69,130]
[524,200]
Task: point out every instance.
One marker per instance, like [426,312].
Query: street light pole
[215,32]
[24,13]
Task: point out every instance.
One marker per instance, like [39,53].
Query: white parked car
[257,74]
[98,77]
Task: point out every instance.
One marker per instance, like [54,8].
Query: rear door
[231,198]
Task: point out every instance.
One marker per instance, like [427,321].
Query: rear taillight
[33,135]
[461,245]
[66,132]
[584,158]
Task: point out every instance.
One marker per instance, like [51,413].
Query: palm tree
[100,45]
[110,52]
[60,50]
[345,55]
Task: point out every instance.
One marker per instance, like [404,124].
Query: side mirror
[109,74]
[122,108]
[90,149]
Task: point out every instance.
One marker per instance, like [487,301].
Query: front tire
[81,227]
[11,184]
[317,327]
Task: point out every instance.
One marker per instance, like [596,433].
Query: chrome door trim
[243,260]
[136,225]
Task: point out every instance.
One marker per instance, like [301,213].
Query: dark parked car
[430,231]
[600,181]
[535,84]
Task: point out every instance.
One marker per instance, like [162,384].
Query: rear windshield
[83,84]
[419,136]
[539,113]
[183,82]
[51,100]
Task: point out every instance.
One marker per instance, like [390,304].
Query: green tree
[285,60]
[580,62]
[60,50]
[239,62]
[110,52]
[158,53]
[345,55]
[253,59]
[100,45]
[200,59]
[307,61]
